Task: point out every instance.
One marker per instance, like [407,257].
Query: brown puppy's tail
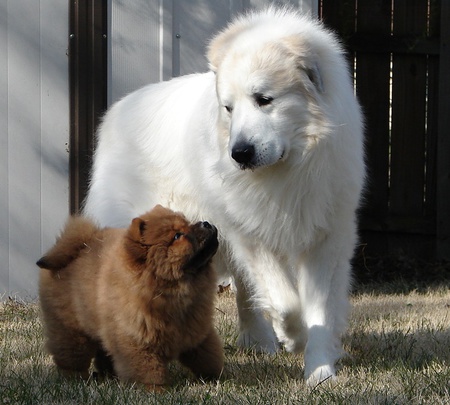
[74,238]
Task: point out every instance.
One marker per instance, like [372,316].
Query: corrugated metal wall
[34,130]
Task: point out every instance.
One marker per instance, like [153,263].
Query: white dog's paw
[319,375]
[261,342]
[293,346]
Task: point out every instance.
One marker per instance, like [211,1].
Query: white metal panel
[4,217]
[135,44]
[55,119]
[34,125]
[24,174]
[194,25]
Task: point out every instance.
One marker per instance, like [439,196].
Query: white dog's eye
[262,100]
[228,108]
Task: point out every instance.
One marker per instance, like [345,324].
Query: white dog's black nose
[243,153]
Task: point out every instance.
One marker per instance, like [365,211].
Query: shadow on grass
[387,351]
[251,369]
[398,274]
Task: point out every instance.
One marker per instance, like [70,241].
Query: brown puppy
[143,296]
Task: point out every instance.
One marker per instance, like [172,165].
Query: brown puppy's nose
[206,225]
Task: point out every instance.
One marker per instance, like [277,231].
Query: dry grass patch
[398,345]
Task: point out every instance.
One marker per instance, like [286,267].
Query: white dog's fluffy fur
[268,146]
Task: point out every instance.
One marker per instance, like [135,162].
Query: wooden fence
[400,54]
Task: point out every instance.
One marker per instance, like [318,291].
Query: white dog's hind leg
[289,329]
[255,331]
[275,292]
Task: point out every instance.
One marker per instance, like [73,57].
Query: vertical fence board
[408,113]
[443,156]
[432,116]
[372,83]
[340,16]
[88,75]
[429,205]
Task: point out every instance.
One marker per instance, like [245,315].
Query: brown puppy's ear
[137,250]
[137,228]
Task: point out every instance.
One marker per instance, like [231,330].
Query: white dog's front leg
[320,355]
[255,331]
[323,289]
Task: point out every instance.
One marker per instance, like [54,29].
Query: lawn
[398,346]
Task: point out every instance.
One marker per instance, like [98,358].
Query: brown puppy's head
[169,246]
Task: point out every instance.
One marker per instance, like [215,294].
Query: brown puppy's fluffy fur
[133,298]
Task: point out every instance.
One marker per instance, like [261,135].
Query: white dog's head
[269,82]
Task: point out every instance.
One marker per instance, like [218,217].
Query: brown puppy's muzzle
[203,237]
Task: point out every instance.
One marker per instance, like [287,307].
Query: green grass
[398,348]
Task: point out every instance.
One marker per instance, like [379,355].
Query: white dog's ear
[299,49]
[315,77]
[213,62]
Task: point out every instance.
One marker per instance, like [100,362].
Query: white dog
[268,146]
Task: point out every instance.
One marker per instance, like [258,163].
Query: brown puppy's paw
[160,389]
[73,374]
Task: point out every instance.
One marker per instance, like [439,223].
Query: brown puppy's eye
[178,235]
